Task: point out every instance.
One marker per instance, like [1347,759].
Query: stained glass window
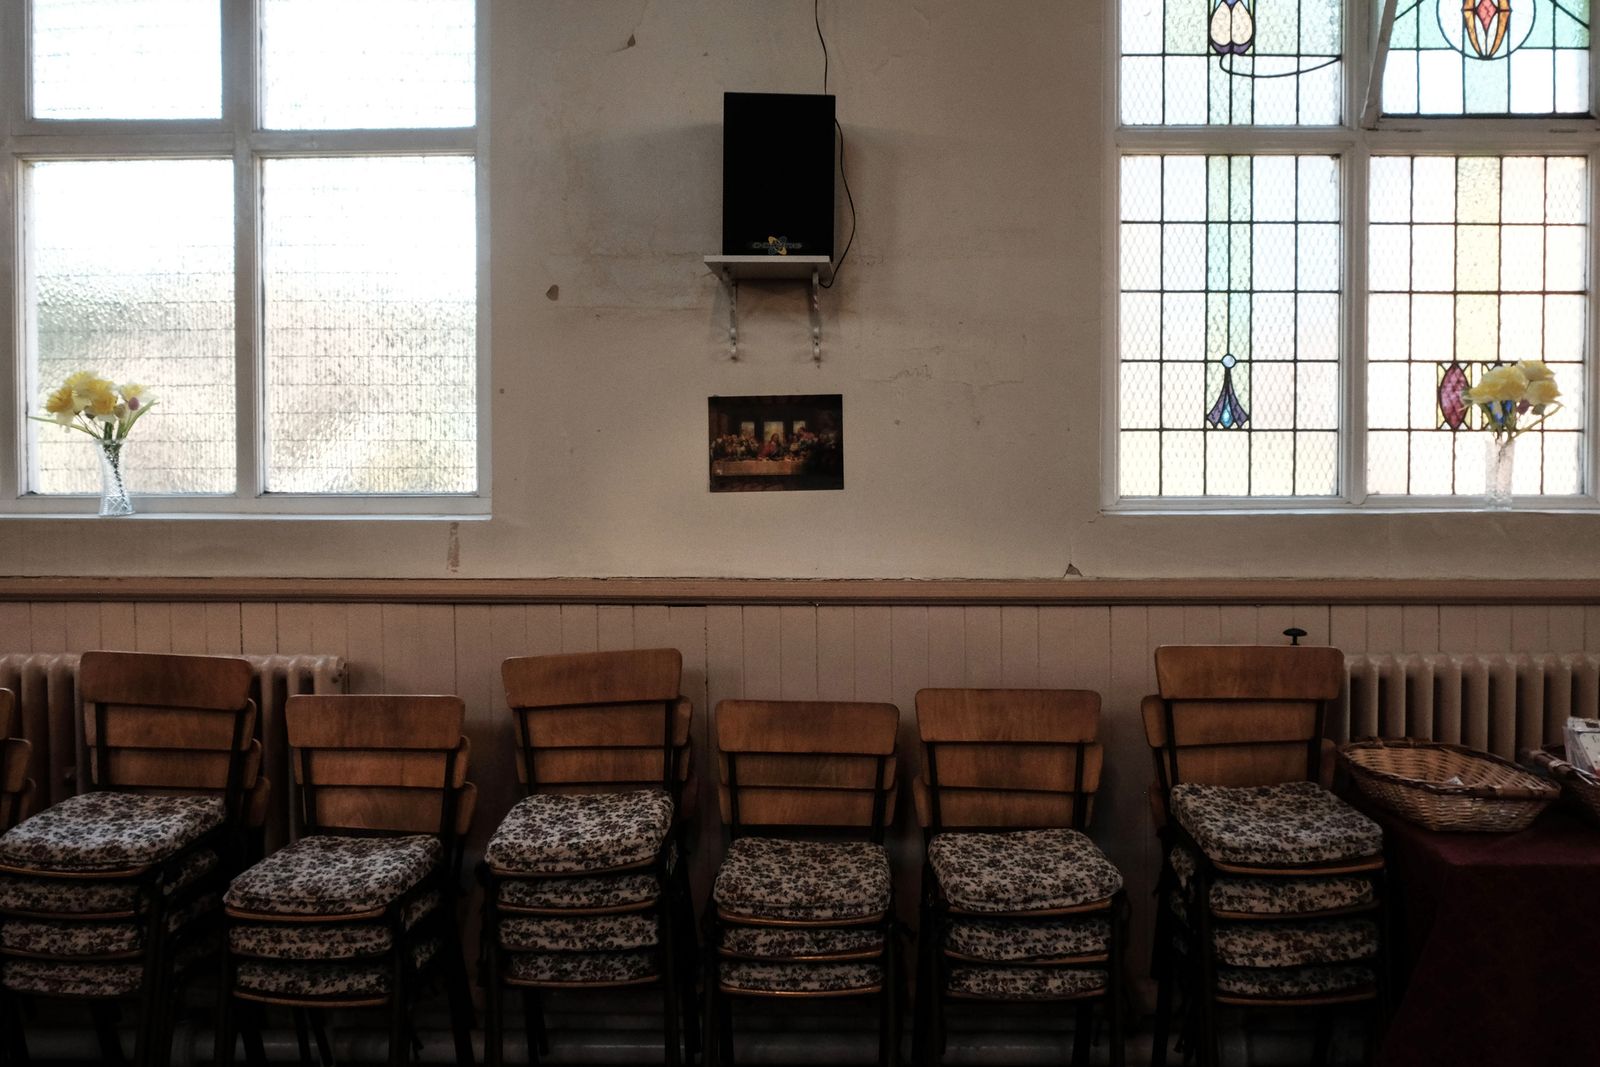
[1229,328]
[1231,62]
[1488,57]
[1472,261]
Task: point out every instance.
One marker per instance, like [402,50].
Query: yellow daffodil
[1541,393]
[1535,370]
[96,406]
[1502,383]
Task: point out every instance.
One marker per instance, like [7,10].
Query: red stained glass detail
[1486,12]
[1452,408]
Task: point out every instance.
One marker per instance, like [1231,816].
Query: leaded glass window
[1229,382]
[1473,261]
[1231,62]
[1488,57]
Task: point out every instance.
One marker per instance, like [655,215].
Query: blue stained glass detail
[1227,413]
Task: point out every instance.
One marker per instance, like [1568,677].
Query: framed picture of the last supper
[765,443]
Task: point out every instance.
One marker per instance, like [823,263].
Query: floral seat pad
[749,977]
[800,942]
[330,875]
[1001,942]
[324,980]
[325,941]
[1296,824]
[603,891]
[51,978]
[777,878]
[1025,983]
[1292,982]
[582,968]
[1029,870]
[589,933]
[1278,896]
[76,940]
[77,896]
[1272,944]
[560,833]
[109,832]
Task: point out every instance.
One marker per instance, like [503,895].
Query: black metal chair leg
[13,1040]
[1164,966]
[107,1016]
[725,1029]
[1324,1038]
[399,1047]
[253,1017]
[319,1030]
[1082,1033]
[669,984]
[302,1034]
[494,1006]
[533,1025]
[460,996]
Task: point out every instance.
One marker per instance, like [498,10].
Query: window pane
[371,353]
[127,59]
[1230,326]
[130,274]
[1231,62]
[1488,57]
[366,64]
[1495,275]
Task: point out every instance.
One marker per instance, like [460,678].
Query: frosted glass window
[1229,326]
[127,59]
[1488,57]
[1231,62]
[130,273]
[366,64]
[370,324]
[1475,261]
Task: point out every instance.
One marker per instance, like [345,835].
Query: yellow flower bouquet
[1506,395]
[106,412]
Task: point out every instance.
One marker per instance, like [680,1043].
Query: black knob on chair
[1294,634]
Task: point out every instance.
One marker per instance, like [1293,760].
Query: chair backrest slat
[1007,758]
[599,721]
[821,764]
[153,768]
[8,713]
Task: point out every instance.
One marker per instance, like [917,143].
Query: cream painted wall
[967,331]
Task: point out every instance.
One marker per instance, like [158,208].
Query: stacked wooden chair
[1270,889]
[361,910]
[15,753]
[586,886]
[1018,904]
[114,894]
[803,905]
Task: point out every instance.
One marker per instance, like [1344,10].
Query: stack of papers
[1583,744]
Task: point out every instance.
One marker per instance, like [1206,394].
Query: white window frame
[1353,142]
[237,136]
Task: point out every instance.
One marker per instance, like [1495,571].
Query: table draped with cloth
[1496,944]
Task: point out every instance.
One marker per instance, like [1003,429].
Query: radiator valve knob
[1294,634]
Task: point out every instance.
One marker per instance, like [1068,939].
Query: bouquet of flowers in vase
[106,412]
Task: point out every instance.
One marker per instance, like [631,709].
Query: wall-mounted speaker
[777,173]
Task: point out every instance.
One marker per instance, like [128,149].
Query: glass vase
[113,490]
[1502,461]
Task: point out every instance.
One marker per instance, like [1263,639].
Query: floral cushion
[776,878]
[1001,941]
[556,833]
[1292,982]
[77,896]
[329,875]
[800,942]
[581,968]
[1297,824]
[50,978]
[1272,944]
[1277,896]
[323,979]
[324,941]
[1029,870]
[750,977]
[75,940]
[109,831]
[1025,983]
[590,933]
[604,891]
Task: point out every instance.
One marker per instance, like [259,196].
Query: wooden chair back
[8,713]
[996,759]
[819,765]
[600,721]
[1240,715]
[381,764]
[170,724]
[15,754]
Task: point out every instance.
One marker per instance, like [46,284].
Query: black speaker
[777,174]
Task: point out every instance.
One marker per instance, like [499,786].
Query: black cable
[816,17]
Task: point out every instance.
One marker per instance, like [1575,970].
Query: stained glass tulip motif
[1233,27]
[1487,24]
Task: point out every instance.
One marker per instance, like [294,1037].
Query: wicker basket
[1579,787]
[1447,787]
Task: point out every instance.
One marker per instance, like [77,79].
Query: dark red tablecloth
[1497,945]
